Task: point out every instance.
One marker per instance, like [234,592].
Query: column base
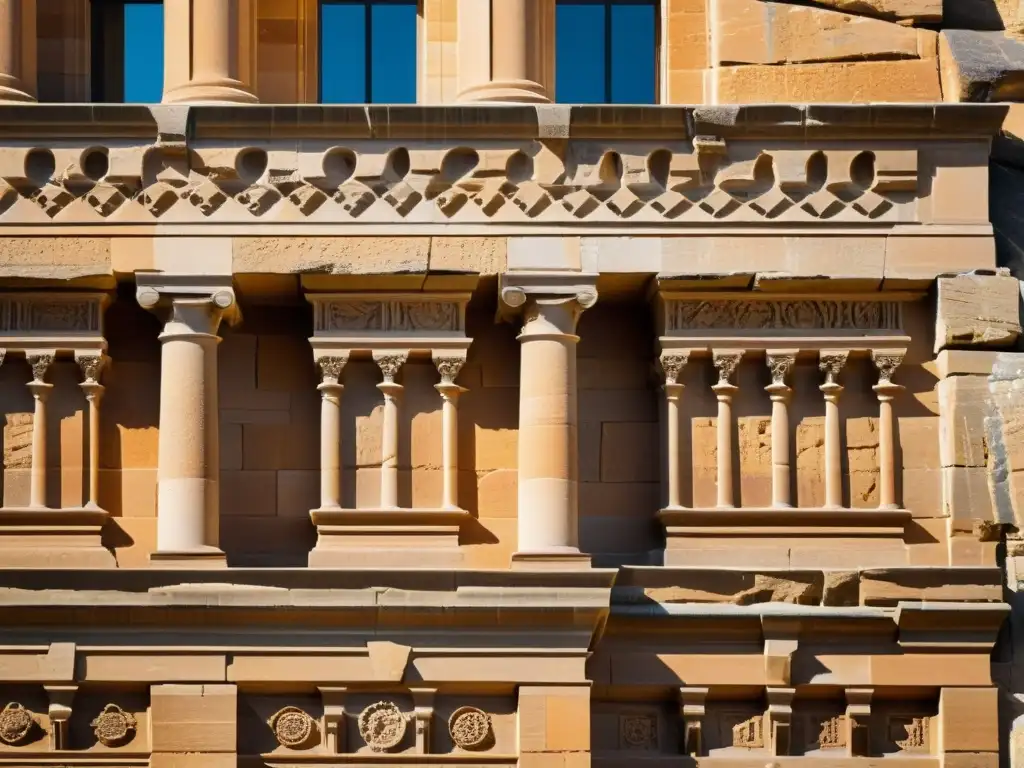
[785,537]
[507,92]
[206,557]
[215,92]
[14,96]
[568,560]
[387,538]
[40,537]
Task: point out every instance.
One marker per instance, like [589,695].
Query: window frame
[368,47]
[658,6]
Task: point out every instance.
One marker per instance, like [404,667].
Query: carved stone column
[887,362]
[551,305]
[91,366]
[17,50]
[780,363]
[672,365]
[188,471]
[831,363]
[40,362]
[208,51]
[449,368]
[726,364]
[390,365]
[506,50]
[330,388]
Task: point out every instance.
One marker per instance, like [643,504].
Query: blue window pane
[368,51]
[580,56]
[143,52]
[633,56]
[343,53]
[393,53]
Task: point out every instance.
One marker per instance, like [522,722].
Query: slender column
[188,503]
[887,361]
[548,449]
[40,363]
[506,50]
[449,368]
[780,363]
[831,363]
[389,364]
[17,50]
[91,366]
[672,365]
[330,390]
[726,363]
[207,49]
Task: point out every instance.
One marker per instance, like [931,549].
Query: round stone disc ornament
[292,727]
[470,728]
[16,723]
[382,726]
[113,726]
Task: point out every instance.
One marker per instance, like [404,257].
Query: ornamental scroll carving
[388,316]
[763,315]
[513,181]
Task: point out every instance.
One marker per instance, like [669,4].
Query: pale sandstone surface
[917,11]
[60,258]
[977,310]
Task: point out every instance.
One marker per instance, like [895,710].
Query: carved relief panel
[732,727]
[642,730]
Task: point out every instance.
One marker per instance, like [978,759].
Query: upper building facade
[505,382]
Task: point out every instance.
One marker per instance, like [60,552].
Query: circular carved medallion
[16,723]
[291,726]
[470,728]
[113,726]
[382,726]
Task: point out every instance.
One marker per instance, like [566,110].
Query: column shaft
[91,366]
[330,431]
[205,47]
[780,364]
[389,365]
[40,393]
[886,362]
[726,363]
[17,50]
[831,364]
[672,366]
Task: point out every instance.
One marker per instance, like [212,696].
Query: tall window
[127,51]
[368,51]
[606,51]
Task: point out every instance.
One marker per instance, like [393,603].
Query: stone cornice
[272,122]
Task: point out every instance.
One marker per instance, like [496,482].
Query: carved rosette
[449,368]
[639,732]
[390,365]
[382,726]
[292,727]
[470,728]
[40,363]
[726,364]
[113,726]
[331,368]
[831,364]
[16,724]
[886,363]
[672,365]
[779,365]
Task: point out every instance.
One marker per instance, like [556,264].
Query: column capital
[92,366]
[726,362]
[192,303]
[532,294]
[831,363]
[331,368]
[672,364]
[887,361]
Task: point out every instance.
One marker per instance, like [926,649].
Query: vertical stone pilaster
[330,389]
[188,451]
[449,368]
[40,362]
[550,305]
[92,366]
[672,364]
[390,364]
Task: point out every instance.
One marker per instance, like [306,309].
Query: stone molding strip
[263,122]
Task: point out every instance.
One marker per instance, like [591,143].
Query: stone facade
[504,432]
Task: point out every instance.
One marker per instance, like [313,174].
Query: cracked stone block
[977,310]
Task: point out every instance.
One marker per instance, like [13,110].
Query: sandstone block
[194,718]
[918,11]
[630,452]
[57,258]
[251,493]
[915,261]
[977,310]
[757,32]
[964,403]
[966,496]
[479,255]
[331,255]
[980,66]
[969,720]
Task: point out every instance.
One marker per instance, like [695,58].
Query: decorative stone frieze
[390,329]
[113,726]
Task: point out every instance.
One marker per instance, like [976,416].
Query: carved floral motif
[390,365]
[113,726]
[331,368]
[764,315]
[469,727]
[449,368]
[886,363]
[423,316]
[831,364]
[91,366]
[726,364]
[672,365]
[832,733]
[382,726]
[779,366]
[16,723]
[40,365]
[639,731]
[292,727]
